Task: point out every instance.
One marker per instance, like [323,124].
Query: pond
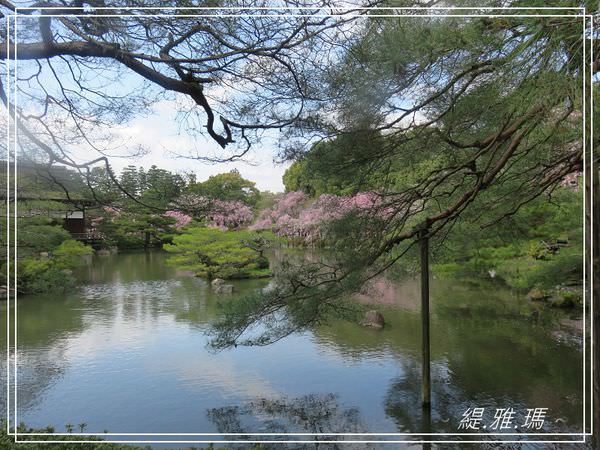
[126,353]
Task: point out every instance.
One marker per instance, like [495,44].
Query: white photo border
[238,12]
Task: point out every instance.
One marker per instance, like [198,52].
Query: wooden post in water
[424,241]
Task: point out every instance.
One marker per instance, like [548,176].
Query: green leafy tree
[229,186]
[130,180]
[69,254]
[39,234]
[52,272]
[213,253]
[137,229]
[102,186]
[161,188]
[142,180]
[340,166]
[478,117]
[540,245]
[267,200]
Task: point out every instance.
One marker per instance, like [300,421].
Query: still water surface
[126,352]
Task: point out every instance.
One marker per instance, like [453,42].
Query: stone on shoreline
[373,319]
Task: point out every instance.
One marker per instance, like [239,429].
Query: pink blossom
[290,205]
[218,213]
[295,217]
[192,203]
[261,224]
[182,219]
[229,214]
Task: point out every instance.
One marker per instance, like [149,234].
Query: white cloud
[159,133]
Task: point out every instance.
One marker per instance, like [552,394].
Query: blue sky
[159,133]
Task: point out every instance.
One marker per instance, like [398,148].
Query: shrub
[69,254]
[42,274]
[214,253]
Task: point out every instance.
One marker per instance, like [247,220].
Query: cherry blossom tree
[182,219]
[294,216]
[228,215]
[223,214]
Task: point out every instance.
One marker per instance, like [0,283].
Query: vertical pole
[424,241]
[595,296]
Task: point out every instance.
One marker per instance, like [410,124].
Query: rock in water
[103,252]
[217,282]
[223,288]
[537,295]
[373,319]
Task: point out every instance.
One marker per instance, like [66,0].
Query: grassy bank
[540,247]
[7,442]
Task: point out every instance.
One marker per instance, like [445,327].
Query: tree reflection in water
[449,402]
[314,413]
